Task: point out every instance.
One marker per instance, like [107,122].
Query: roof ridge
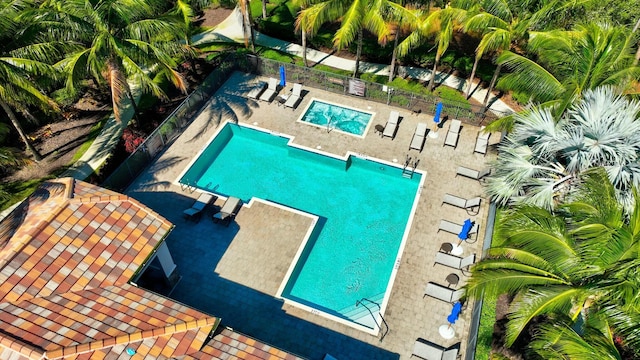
[133,337]
[16,345]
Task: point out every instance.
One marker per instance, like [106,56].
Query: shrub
[452,97]
[132,139]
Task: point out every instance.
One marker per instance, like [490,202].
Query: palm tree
[574,263]
[499,30]
[570,62]
[562,340]
[542,159]
[355,16]
[438,24]
[23,69]
[118,40]
[247,28]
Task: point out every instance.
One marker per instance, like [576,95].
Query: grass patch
[485,330]
[93,134]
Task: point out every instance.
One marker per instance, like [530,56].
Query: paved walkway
[230,30]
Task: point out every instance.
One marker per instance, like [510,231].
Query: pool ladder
[406,171]
[364,302]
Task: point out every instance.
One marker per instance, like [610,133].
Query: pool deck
[234,272]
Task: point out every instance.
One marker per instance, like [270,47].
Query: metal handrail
[385,332]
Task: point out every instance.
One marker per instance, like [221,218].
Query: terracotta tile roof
[67,254]
[74,238]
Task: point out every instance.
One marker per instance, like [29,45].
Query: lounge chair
[392,125]
[417,142]
[454,228]
[430,351]
[271,91]
[443,293]
[257,90]
[228,210]
[194,212]
[453,134]
[455,262]
[482,142]
[294,98]
[471,205]
[473,174]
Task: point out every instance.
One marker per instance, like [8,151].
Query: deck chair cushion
[392,125]
[270,93]
[417,142]
[430,351]
[453,261]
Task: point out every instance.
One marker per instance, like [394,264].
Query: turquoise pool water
[337,117]
[363,206]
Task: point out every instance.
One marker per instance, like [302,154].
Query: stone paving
[233,272]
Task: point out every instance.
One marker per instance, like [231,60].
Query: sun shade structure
[68,254]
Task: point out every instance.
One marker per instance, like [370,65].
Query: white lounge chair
[471,205]
[392,125]
[429,351]
[271,91]
[454,228]
[455,262]
[256,90]
[417,142]
[482,142]
[194,212]
[453,134]
[473,174]
[228,210]
[443,293]
[294,98]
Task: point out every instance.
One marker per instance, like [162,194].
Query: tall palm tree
[499,29]
[23,67]
[542,159]
[570,62]
[355,16]
[120,40]
[560,339]
[439,25]
[578,262]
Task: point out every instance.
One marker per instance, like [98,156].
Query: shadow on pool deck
[199,248]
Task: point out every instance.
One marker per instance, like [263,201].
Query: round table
[379,129]
[446,247]
[452,279]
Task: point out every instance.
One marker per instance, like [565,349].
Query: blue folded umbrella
[436,117]
[455,312]
[283,77]
[466,227]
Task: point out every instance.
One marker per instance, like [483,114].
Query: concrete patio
[234,272]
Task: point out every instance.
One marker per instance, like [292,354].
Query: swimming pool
[337,117]
[363,209]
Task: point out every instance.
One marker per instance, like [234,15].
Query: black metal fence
[417,103]
[178,120]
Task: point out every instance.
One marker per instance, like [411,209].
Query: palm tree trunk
[264,9]
[304,48]
[432,81]
[358,53]
[473,74]
[16,124]
[491,85]
[392,68]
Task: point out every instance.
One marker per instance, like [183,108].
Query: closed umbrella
[446,331]
[436,120]
[462,236]
[283,77]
